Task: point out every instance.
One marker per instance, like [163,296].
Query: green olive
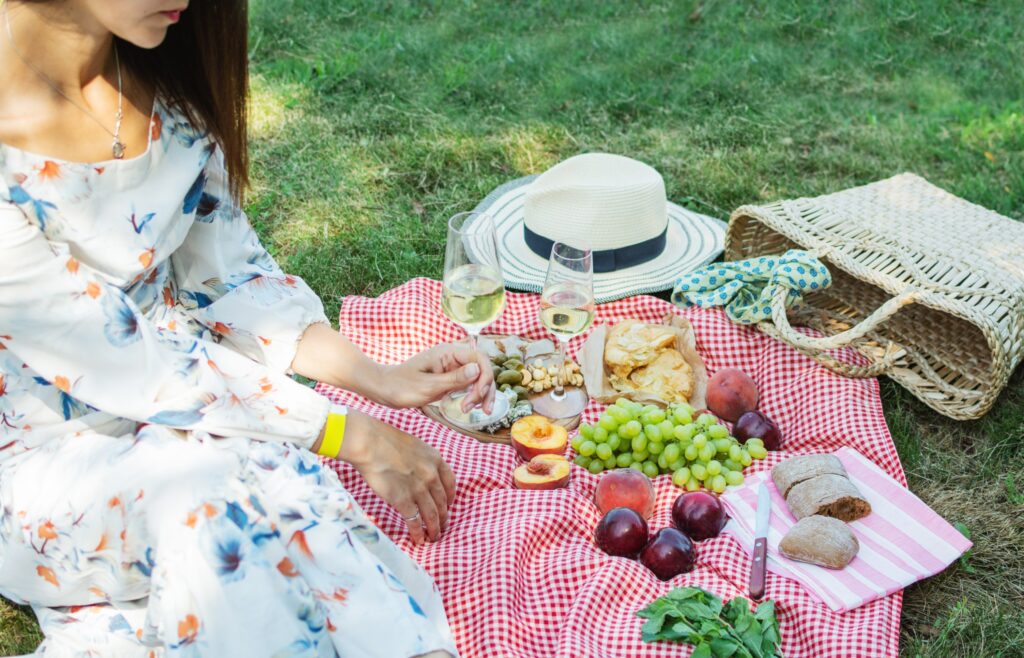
[512,364]
[496,370]
[521,391]
[505,387]
[509,377]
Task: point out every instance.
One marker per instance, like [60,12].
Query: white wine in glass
[473,296]
[566,310]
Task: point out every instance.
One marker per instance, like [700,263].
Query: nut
[538,386]
[527,377]
[538,373]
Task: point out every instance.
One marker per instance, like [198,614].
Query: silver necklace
[117,148]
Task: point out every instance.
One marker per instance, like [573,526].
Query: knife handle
[758,569]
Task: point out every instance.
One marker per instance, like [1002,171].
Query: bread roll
[797,469]
[820,540]
[829,495]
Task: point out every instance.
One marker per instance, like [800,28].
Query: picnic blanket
[518,570]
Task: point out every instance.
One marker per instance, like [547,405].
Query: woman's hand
[403,470]
[327,356]
[432,373]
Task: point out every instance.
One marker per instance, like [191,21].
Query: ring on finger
[410,519]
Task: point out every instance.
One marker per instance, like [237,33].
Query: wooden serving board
[530,349]
[502,435]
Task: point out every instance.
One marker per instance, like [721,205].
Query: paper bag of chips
[647,363]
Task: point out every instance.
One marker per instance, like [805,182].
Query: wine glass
[472,297]
[566,310]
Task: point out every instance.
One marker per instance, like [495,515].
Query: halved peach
[536,435]
[542,472]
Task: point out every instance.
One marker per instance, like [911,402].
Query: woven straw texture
[926,285]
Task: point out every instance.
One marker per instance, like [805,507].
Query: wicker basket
[926,285]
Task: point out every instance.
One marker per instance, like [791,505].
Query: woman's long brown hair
[202,68]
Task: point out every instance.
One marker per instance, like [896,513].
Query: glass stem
[559,391]
[471,337]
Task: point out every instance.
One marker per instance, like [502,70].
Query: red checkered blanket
[518,570]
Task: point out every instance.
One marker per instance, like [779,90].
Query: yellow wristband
[334,432]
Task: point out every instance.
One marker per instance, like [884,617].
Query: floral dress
[157,494]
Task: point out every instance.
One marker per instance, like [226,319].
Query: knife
[759,566]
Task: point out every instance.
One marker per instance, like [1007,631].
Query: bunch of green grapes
[697,452]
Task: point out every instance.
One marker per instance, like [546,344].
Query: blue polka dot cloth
[746,287]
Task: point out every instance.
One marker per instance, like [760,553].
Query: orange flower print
[287,567]
[221,328]
[299,537]
[209,510]
[340,595]
[190,519]
[265,385]
[3,386]
[114,502]
[102,544]
[146,257]
[92,289]
[47,574]
[72,265]
[188,629]
[49,171]
[47,531]
[281,410]
[168,297]
[265,341]
[63,383]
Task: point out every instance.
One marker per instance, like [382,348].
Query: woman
[155,456]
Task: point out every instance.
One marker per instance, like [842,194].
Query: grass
[374,121]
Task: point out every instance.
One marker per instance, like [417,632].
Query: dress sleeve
[230,284]
[91,341]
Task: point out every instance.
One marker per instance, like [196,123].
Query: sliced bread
[820,540]
[828,495]
[795,470]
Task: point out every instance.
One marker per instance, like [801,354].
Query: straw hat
[616,206]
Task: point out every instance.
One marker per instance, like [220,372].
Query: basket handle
[812,346]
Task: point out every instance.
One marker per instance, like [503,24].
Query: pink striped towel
[902,541]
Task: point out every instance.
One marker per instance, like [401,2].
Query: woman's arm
[86,337]
[325,355]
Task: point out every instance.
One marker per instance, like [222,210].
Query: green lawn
[374,121]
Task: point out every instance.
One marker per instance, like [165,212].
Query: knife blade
[758,568]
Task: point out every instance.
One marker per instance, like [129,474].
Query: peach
[625,487]
[731,393]
[542,472]
[536,435]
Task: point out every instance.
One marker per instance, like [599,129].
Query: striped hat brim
[692,240]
